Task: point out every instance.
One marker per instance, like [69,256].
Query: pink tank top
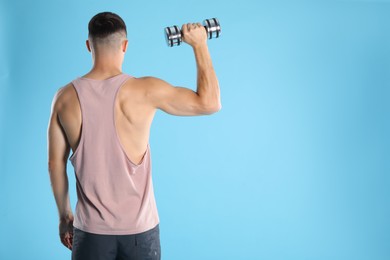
[114,195]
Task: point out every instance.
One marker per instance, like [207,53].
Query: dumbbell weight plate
[173,35]
[212,27]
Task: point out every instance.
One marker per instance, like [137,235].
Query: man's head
[107,33]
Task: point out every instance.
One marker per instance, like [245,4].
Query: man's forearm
[60,187]
[207,82]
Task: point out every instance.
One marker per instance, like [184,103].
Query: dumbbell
[173,33]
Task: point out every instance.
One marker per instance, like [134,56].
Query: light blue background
[296,165]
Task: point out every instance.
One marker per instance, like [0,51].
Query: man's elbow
[55,165]
[212,109]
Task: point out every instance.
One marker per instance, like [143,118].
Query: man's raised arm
[183,101]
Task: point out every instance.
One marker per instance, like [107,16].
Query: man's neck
[107,64]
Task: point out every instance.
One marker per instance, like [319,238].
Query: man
[105,118]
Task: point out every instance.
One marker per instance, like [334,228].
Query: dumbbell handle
[173,34]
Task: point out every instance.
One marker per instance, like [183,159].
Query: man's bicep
[173,100]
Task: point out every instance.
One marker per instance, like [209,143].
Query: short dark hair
[104,24]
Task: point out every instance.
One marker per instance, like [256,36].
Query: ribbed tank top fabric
[114,195]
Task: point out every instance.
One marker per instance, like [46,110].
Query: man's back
[115,193]
[133,116]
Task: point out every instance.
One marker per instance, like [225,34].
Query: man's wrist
[66,216]
[200,46]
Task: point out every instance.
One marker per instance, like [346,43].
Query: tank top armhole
[81,139]
[116,132]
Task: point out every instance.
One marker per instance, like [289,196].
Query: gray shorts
[142,246]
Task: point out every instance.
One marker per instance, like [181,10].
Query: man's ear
[125,43]
[88,45]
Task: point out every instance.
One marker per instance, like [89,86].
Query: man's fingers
[67,240]
[184,28]
[63,241]
[189,26]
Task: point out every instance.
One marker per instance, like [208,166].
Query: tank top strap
[118,81]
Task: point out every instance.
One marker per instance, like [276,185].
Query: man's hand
[194,34]
[66,231]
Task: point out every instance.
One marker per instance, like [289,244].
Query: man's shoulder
[142,83]
[64,93]
[67,90]
[145,80]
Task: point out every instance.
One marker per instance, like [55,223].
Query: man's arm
[183,101]
[58,153]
